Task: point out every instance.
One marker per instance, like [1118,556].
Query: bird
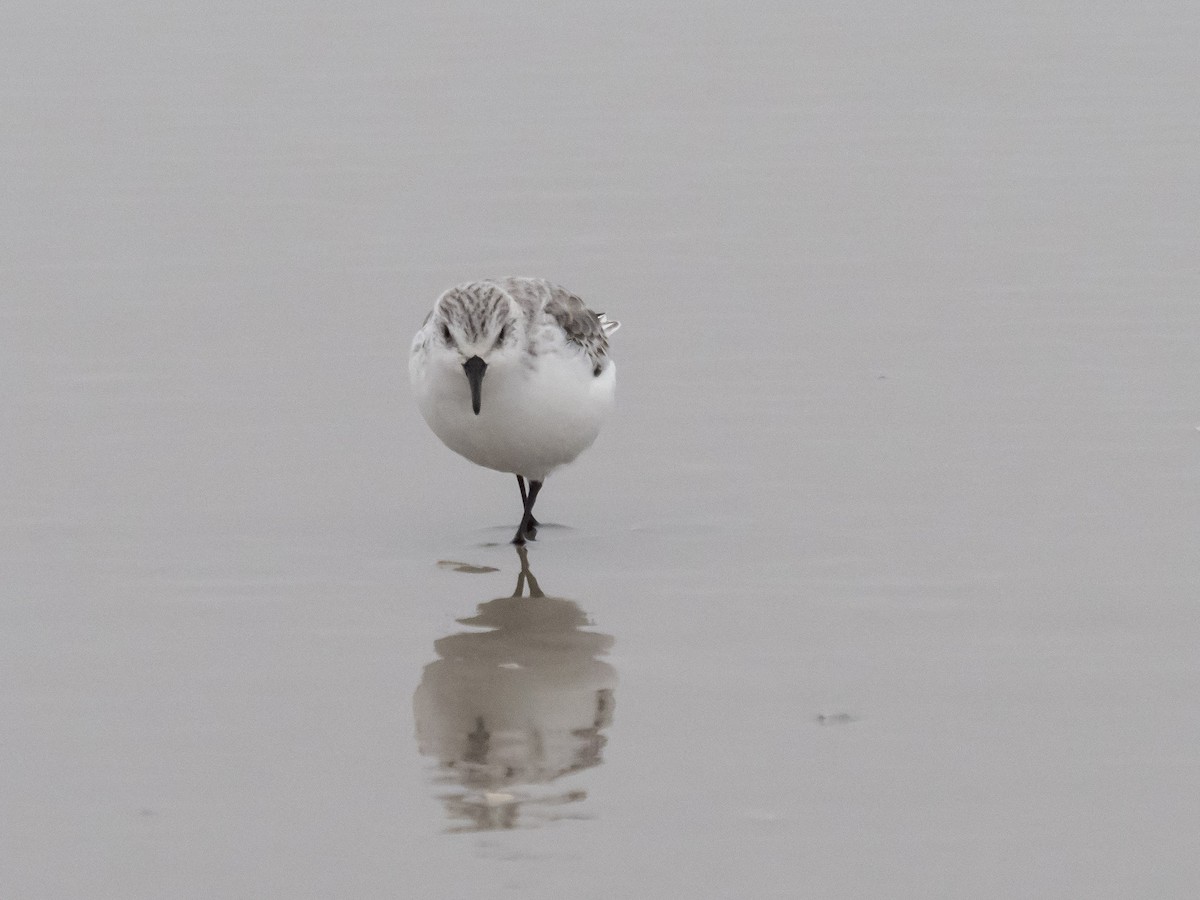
[514,375]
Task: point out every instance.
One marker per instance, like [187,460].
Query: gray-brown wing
[582,326]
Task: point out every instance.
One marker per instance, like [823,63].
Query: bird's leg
[525,501]
[527,530]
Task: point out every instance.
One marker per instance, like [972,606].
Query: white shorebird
[549,383]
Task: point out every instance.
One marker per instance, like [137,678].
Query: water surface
[881,583]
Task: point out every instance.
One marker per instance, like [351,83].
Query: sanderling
[549,383]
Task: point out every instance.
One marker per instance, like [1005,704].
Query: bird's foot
[525,533]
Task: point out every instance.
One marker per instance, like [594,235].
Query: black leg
[525,500]
[527,530]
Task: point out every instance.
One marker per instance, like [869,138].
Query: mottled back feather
[581,326]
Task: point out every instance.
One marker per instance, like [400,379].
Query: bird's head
[476,325]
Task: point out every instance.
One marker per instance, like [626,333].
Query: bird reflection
[507,711]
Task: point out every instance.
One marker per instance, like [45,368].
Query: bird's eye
[446,334]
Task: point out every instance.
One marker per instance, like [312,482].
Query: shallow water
[881,582]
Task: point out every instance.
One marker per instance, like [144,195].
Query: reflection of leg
[525,499]
[534,590]
[528,527]
[525,576]
[523,556]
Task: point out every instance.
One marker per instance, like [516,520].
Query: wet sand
[880,583]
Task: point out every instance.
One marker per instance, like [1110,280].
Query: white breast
[532,419]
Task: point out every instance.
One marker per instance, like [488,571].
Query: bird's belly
[529,423]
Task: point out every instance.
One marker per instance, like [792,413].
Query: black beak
[475,367]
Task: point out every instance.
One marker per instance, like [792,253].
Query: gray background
[906,439]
